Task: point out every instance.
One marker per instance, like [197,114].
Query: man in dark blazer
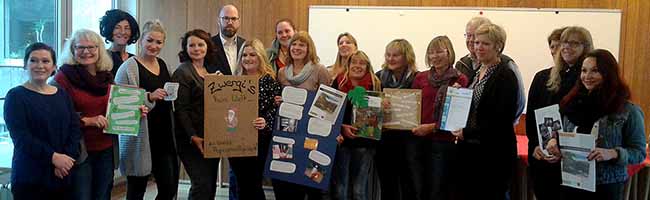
[227,43]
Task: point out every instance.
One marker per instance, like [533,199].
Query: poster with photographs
[577,170]
[123,110]
[548,123]
[303,146]
[230,104]
[369,120]
[404,112]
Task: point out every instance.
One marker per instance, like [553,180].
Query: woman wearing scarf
[602,97]
[279,51]
[85,74]
[433,83]
[355,154]
[399,157]
[302,71]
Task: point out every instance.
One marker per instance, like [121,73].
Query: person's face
[40,65]
[250,61]
[86,52]
[572,49]
[394,59]
[554,47]
[469,38]
[229,21]
[299,50]
[152,43]
[346,47]
[485,49]
[196,48]
[122,33]
[284,32]
[358,68]
[438,58]
[590,76]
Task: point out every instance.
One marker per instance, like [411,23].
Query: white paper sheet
[291,111]
[548,122]
[172,91]
[294,95]
[319,127]
[456,108]
[327,103]
[577,171]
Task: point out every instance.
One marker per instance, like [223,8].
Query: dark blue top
[40,125]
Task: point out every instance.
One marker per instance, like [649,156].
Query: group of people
[61,151]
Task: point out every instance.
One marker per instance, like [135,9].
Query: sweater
[318,76]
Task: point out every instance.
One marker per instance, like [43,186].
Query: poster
[303,147]
[404,112]
[230,108]
[456,108]
[123,111]
[327,103]
[577,170]
[548,122]
[369,120]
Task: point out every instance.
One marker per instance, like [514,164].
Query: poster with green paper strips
[367,115]
[123,112]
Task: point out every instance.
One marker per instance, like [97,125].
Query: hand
[349,131]
[553,148]
[98,121]
[385,104]
[259,123]
[458,133]
[62,161]
[539,155]
[158,94]
[198,142]
[339,139]
[144,111]
[278,100]
[423,129]
[456,85]
[600,154]
[60,173]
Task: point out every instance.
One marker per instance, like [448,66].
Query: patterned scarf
[479,87]
[388,80]
[441,81]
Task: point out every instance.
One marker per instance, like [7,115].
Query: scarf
[79,77]
[302,76]
[388,79]
[345,84]
[441,81]
[584,110]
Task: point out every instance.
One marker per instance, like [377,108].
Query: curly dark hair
[111,19]
[183,56]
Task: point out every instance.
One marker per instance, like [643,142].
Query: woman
[147,153]
[85,74]
[302,71]
[549,86]
[196,62]
[399,155]
[121,29]
[433,83]
[248,170]
[602,97]
[355,155]
[489,136]
[44,128]
[279,51]
[347,45]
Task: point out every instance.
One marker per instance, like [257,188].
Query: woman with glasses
[279,51]
[121,29]
[85,74]
[549,86]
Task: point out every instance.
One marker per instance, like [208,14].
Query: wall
[258,18]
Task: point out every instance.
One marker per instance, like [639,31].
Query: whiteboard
[526,28]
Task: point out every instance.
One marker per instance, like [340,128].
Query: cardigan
[318,76]
[189,104]
[135,151]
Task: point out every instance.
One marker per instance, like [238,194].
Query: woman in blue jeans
[601,96]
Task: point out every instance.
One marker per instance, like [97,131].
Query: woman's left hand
[600,154]
[423,129]
[259,123]
[144,111]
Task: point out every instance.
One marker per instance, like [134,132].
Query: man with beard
[227,42]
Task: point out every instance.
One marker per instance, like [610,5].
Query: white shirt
[230,48]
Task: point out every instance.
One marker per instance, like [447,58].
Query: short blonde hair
[477,21]
[265,66]
[441,42]
[406,49]
[304,37]
[495,34]
[104,61]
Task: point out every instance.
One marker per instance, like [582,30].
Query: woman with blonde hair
[347,45]
[248,170]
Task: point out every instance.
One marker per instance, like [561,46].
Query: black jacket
[222,61]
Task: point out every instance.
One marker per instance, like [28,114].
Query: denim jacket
[625,132]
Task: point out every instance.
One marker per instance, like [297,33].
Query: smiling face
[346,46]
[572,49]
[590,76]
[250,61]
[86,52]
[358,67]
[284,32]
[299,50]
[152,43]
[438,58]
[469,38]
[122,33]
[485,49]
[196,48]
[40,65]
[395,59]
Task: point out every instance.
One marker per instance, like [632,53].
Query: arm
[183,102]
[74,128]
[266,109]
[17,120]
[633,149]
[323,76]
[535,101]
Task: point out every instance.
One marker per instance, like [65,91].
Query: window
[26,22]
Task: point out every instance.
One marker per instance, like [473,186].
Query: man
[469,66]
[227,42]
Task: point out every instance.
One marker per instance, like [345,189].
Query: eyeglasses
[572,44]
[227,19]
[82,48]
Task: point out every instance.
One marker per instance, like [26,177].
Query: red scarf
[345,84]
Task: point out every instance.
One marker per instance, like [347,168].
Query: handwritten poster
[230,108]
[123,110]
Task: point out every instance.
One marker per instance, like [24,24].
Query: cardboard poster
[404,112]
[123,110]
[230,108]
[303,147]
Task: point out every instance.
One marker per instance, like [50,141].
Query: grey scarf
[301,77]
